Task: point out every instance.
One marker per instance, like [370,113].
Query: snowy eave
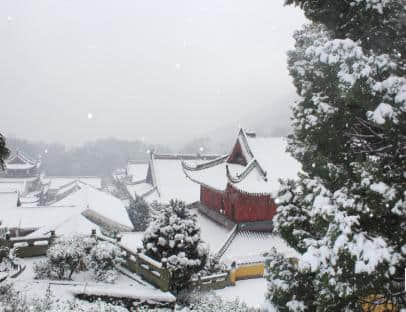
[20,157]
[267,162]
[25,166]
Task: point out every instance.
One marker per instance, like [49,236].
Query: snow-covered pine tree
[347,213]
[174,235]
[138,212]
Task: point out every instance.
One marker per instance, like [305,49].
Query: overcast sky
[166,70]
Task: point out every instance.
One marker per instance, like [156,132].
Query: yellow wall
[246,271]
[377,303]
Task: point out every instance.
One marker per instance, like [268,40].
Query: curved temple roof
[266,162]
[165,179]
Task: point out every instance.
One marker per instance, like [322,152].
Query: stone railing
[28,247]
[152,271]
[211,282]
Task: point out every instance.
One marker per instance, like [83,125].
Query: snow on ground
[212,233]
[251,291]
[249,246]
[34,289]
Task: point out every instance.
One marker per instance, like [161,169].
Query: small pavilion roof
[20,161]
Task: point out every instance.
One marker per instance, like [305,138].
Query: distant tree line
[98,157]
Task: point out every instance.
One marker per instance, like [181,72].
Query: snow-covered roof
[212,233]
[137,170]
[172,183]
[56,182]
[11,180]
[35,217]
[19,166]
[15,186]
[271,154]
[20,158]
[75,224]
[248,246]
[140,189]
[166,180]
[100,202]
[264,162]
[70,187]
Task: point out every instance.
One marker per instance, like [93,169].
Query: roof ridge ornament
[205,165]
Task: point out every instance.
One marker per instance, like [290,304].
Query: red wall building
[237,185]
[237,205]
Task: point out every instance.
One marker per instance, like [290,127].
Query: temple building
[21,166]
[21,174]
[241,187]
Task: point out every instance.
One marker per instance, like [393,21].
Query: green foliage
[285,280]
[379,25]
[138,212]
[347,213]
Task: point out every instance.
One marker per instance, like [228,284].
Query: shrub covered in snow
[208,302]
[104,258]
[11,299]
[174,237]
[64,257]
[71,254]
[7,259]
[213,266]
[138,212]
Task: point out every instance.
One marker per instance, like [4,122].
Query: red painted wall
[238,206]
